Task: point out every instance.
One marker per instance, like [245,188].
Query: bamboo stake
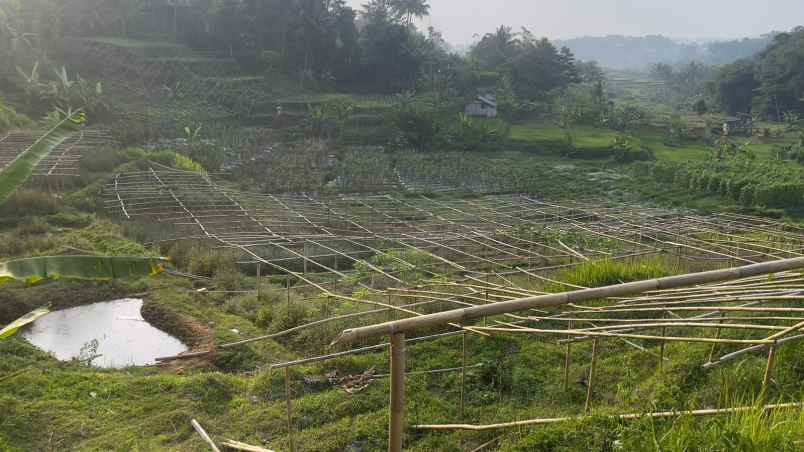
[663,343]
[397,418]
[717,336]
[259,281]
[590,382]
[289,407]
[567,360]
[463,376]
[768,369]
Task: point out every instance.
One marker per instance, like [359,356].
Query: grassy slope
[68,406]
[639,187]
[147,409]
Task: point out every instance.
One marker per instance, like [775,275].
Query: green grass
[584,136]
[609,272]
[129,43]
[595,138]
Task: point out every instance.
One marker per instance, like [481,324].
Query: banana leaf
[18,171]
[14,326]
[35,269]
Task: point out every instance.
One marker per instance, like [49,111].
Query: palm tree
[409,9]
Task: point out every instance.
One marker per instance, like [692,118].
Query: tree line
[770,83]
[319,43]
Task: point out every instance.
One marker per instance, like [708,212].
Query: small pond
[115,330]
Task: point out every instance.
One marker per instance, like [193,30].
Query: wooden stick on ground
[204,435]
[232,444]
[630,416]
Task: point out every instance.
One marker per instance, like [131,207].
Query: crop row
[751,183]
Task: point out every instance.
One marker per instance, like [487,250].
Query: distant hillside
[627,52]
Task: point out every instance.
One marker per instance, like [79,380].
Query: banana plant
[98,268]
[32,83]
[19,170]
[28,318]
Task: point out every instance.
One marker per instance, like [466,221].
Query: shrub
[624,150]
[70,220]
[749,182]
[469,134]
[25,203]
[417,123]
[34,226]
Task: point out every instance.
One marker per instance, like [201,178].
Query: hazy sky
[460,19]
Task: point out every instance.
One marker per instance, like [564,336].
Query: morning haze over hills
[640,52]
[422,225]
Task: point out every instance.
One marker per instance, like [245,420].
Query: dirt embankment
[197,336]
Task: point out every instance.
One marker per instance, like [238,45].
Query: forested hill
[628,52]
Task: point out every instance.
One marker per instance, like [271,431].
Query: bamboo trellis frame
[493,249]
[306,236]
[65,158]
[704,284]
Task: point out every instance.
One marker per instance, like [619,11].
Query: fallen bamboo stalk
[204,435]
[629,416]
[237,445]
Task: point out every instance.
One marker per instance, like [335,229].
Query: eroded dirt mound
[197,336]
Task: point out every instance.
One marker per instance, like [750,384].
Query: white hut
[483,107]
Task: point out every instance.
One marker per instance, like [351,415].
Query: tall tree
[496,49]
[410,9]
[540,68]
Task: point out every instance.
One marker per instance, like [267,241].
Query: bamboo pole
[768,370]
[717,336]
[466,314]
[595,334]
[396,434]
[629,416]
[733,355]
[663,343]
[567,360]
[463,376]
[357,350]
[288,407]
[591,380]
[204,435]
[237,445]
[259,281]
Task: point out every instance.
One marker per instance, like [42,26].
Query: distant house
[742,126]
[483,107]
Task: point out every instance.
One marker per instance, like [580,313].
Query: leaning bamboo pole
[466,314]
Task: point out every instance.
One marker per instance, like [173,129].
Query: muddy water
[115,330]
